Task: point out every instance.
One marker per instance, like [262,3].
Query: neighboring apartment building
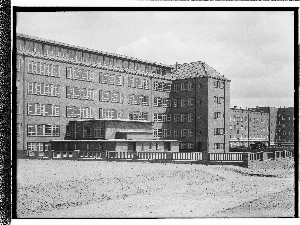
[270,125]
[58,83]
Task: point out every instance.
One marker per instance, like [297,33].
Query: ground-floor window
[38,146]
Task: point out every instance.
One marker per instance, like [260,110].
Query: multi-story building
[58,83]
[270,125]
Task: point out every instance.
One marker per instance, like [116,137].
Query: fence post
[205,158]
[76,154]
[169,156]
[50,154]
[245,158]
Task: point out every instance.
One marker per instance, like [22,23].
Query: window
[219,131]
[43,69]
[99,130]
[108,114]
[119,80]
[190,101]
[218,146]
[190,117]
[183,118]
[157,102]
[176,118]
[105,96]
[80,93]
[175,103]
[43,130]
[18,129]
[111,79]
[183,132]
[176,133]
[186,145]
[37,109]
[79,112]
[183,102]
[166,133]
[190,133]
[157,132]
[218,115]
[176,87]
[190,86]
[166,102]
[49,90]
[167,87]
[155,86]
[137,115]
[183,86]
[103,78]
[38,146]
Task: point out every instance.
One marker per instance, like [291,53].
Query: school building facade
[57,83]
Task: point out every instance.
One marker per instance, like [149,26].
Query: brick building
[58,83]
[270,125]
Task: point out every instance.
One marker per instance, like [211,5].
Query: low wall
[282,163]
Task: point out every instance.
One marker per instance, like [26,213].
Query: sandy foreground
[95,189]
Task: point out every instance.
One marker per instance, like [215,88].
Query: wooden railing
[120,155]
[152,155]
[193,156]
[92,154]
[226,157]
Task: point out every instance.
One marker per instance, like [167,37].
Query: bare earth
[95,189]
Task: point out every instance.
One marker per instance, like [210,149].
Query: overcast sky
[253,49]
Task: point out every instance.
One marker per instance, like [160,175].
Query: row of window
[186,146]
[44,69]
[183,87]
[162,86]
[134,99]
[183,133]
[79,112]
[219,131]
[162,102]
[38,109]
[38,146]
[79,74]
[218,146]
[219,84]
[111,79]
[108,96]
[183,118]
[111,114]
[183,102]
[49,90]
[80,93]
[90,58]
[138,83]
[43,130]
[137,115]
[161,132]
[162,117]
[218,100]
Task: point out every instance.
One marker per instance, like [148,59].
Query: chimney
[235,107]
[176,65]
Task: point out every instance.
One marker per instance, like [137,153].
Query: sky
[255,50]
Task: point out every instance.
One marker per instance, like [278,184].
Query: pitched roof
[195,69]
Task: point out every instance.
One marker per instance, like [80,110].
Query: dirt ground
[95,189]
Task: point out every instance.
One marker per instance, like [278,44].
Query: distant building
[270,125]
[58,83]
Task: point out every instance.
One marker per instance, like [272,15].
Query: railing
[92,154]
[152,155]
[193,156]
[226,157]
[120,155]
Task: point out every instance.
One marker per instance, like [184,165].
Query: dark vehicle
[258,145]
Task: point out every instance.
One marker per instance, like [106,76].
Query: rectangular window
[190,86]
[175,103]
[157,102]
[183,102]
[166,133]
[218,146]
[176,133]
[79,112]
[18,129]
[43,130]
[190,133]
[103,78]
[190,117]
[167,87]
[119,80]
[219,131]
[190,101]
[111,79]
[166,102]
[183,86]
[183,132]
[131,82]
[176,87]
[183,118]
[155,86]
[176,118]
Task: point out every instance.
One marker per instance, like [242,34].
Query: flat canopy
[113,140]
